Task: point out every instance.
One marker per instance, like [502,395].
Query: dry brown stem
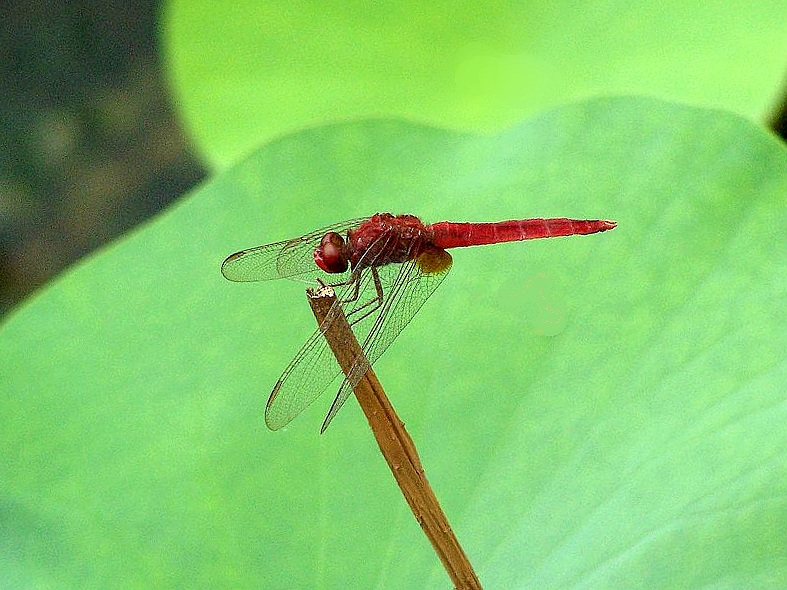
[396,445]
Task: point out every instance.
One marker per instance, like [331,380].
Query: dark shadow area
[778,122]
[90,143]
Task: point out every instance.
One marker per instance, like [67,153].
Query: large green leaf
[247,71]
[594,412]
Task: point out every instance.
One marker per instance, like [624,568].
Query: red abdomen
[447,234]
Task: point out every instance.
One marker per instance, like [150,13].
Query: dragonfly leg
[354,280]
[376,302]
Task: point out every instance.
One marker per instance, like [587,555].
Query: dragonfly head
[329,255]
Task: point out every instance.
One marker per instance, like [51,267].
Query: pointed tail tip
[606,225]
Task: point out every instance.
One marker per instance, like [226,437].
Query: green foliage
[244,72]
[594,412]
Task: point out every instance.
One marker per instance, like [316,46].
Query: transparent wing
[288,258]
[315,367]
[410,289]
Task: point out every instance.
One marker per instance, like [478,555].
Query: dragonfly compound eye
[329,255]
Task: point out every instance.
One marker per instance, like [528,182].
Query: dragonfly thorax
[386,239]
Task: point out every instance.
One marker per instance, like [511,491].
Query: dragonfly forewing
[286,259]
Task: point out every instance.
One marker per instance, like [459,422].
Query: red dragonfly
[383,269]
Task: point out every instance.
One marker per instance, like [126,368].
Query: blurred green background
[594,412]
